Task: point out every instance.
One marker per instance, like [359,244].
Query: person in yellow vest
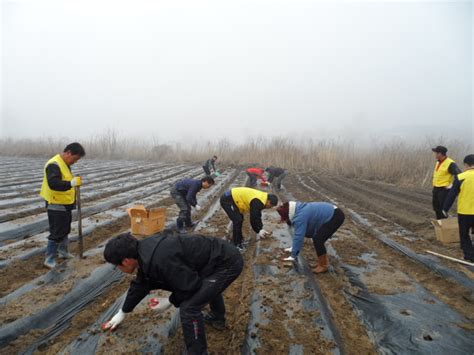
[58,190]
[240,200]
[464,187]
[443,177]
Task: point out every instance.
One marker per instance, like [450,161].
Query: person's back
[185,185]
[198,252]
[275,171]
[256,171]
[466,193]
[315,214]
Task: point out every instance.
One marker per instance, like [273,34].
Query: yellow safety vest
[441,176]
[466,195]
[242,197]
[58,197]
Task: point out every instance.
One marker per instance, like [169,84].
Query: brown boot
[323,264]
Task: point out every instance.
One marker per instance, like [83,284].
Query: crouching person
[196,269]
[315,220]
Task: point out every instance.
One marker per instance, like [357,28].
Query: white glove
[290,258]
[445,213]
[263,233]
[288,250]
[76,181]
[115,321]
[159,304]
[198,208]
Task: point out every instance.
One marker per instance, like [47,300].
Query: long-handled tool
[79,222]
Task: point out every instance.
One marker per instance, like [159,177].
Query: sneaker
[182,231]
[241,248]
[50,263]
[211,319]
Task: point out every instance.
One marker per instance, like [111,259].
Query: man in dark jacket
[196,269]
[58,191]
[209,166]
[184,194]
[276,176]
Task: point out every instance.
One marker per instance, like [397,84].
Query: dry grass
[395,162]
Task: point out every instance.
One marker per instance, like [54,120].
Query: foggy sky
[187,70]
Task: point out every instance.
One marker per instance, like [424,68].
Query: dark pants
[466,222]
[184,216]
[59,225]
[252,179]
[206,170]
[229,206]
[327,230]
[278,179]
[192,320]
[439,196]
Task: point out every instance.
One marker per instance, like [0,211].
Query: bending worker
[240,200]
[184,194]
[443,177]
[276,176]
[60,196]
[315,220]
[254,174]
[209,166]
[464,187]
[196,269]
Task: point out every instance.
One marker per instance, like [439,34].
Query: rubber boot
[63,249]
[51,250]
[323,264]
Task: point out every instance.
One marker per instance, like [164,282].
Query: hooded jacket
[176,263]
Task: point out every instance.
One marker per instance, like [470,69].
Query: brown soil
[448,291]
[401,213]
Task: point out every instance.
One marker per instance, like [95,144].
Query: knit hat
[283,211]
[287,211]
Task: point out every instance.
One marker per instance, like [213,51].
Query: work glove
[159,304]
[263,233]
[445,213]
[198,208]
[115,321]
[76,181]
[288,250]
[290,258]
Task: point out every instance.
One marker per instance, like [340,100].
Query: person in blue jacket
[315,220]
[184,194]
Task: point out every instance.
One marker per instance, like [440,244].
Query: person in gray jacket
[209,166]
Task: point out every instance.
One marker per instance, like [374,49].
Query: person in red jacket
[254,174]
